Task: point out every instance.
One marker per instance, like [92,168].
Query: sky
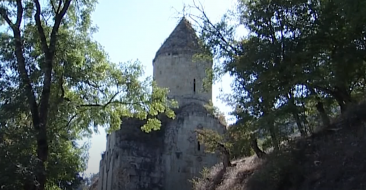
[135,30]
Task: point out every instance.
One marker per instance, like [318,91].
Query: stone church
[169,158]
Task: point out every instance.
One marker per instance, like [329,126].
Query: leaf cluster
[299,64]
[47,53]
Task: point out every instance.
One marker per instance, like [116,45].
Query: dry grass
[231,179]
[334,159]
[237,175]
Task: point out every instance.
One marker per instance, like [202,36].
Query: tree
[296,54]
[66,80]
[214,142]
[18,162]
[216,112]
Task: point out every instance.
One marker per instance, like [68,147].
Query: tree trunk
[340,94]
[254,144]
[226,161]
[323,115]
[39,112]
[295,114]
[299,124]
[274,139]
[49,52]
[42,145]
[320,107]
[343,98]
[225,154]
[271,128]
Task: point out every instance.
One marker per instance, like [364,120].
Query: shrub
[280,170]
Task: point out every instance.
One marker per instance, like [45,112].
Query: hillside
[334,158]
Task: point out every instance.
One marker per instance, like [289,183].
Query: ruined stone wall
[184,156]
[161,160]
[133,160]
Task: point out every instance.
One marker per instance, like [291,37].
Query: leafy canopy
[300,62]
[57,86]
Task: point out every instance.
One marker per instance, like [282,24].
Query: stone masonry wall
[161,160]
[184,155]
[188,83]
[133,160]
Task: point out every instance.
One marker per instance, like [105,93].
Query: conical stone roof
[183,40]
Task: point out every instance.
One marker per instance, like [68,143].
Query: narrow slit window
[194,85]
[198,146]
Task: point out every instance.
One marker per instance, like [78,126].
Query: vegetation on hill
[299,65]
[56,87]
[332,158]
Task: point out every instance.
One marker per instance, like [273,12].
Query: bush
[281,170]
[239,140]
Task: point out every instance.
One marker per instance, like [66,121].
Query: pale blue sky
[130,30]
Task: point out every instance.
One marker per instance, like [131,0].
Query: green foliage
[66,160]
[216,112]
[210,139]
[281,170]
[239,140]
[204,175]
[296,55]
[57,86]
[205,57]
[236,140]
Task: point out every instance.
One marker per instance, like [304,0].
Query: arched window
[198,146]
[194,85]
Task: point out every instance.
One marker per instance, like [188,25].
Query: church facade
[169,158]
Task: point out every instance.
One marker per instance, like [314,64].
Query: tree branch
[59,16]
[61,83]
[212,139]
[6,17]
[23,72]
[111,102]
[324,89]
[53,7]
[218,33]
[221,147]
[58,7]
[49,52]
[61,86]
[70,120]
[19,13]
[37,18]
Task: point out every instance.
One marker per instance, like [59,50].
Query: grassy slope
[331,159]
